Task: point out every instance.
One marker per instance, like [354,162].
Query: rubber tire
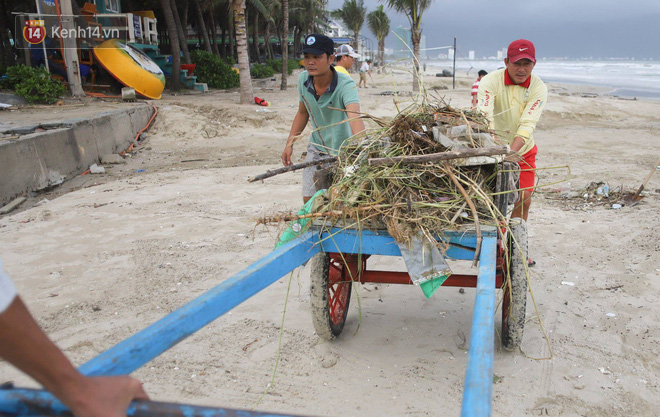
[321,298]
[513,317]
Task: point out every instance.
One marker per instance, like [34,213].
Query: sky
[596,29]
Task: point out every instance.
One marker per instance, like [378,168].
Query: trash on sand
[95,169]
[140,170]
[12,205]
[605,371]
[611,314]
[569,283]
[261,102]
[112,158]
[603,190]
[616,206]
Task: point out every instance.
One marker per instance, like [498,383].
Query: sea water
[621,78]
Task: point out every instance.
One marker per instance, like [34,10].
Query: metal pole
[478,392]
[70,48]
[454,69]
[43,44]
[27,50]
[31,402]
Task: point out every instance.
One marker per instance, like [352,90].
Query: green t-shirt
[329,133]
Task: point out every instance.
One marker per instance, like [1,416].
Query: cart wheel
[515,288]
[330,292]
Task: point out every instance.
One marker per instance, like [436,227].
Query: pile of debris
[431,168]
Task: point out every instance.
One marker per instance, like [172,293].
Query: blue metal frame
[477,393]
[137,350]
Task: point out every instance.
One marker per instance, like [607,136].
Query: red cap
[520,49]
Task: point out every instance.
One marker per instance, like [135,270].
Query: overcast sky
[558,28]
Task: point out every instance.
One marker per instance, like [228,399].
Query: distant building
[500,55]
[450,53]
[422,48]
[336,30]
[402,43]
[471,55]
[340,35]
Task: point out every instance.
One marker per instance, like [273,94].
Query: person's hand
[286,156]
[105,396]
[513,157]
[518,143]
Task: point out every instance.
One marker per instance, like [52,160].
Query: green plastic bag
[298,227]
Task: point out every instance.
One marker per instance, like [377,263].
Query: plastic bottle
[603,190]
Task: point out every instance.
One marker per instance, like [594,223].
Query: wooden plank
[440,156]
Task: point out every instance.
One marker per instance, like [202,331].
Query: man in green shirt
[330,101]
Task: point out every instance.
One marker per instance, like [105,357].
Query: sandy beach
[107,255]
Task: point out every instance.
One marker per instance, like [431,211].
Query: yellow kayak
[131,67]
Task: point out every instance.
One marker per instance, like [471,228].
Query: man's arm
[353,112]
[531,114]
[27,347]
[486,100]
[299,123]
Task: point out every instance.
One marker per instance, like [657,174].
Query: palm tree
[264,9]
[201,26]
[306,17]
[413,9]
[242,48]
[181,31]
[7,33]
[285,44]
[174,43]
[379,24]
[352,14]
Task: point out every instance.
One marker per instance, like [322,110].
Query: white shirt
[7,290]
[364,67]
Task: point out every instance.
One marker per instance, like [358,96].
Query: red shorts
[527,169]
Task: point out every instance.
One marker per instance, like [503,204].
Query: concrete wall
[39,160]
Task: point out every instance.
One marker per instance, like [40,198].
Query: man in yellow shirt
[513,99]
[345,58]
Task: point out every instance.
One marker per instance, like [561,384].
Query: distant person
[26,346]
[513,99]
[364,70]
[329,100]
[475,87]
[345,59]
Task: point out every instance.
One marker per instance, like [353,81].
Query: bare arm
[299,123]
[27,347]
[517,143]
[353,112]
